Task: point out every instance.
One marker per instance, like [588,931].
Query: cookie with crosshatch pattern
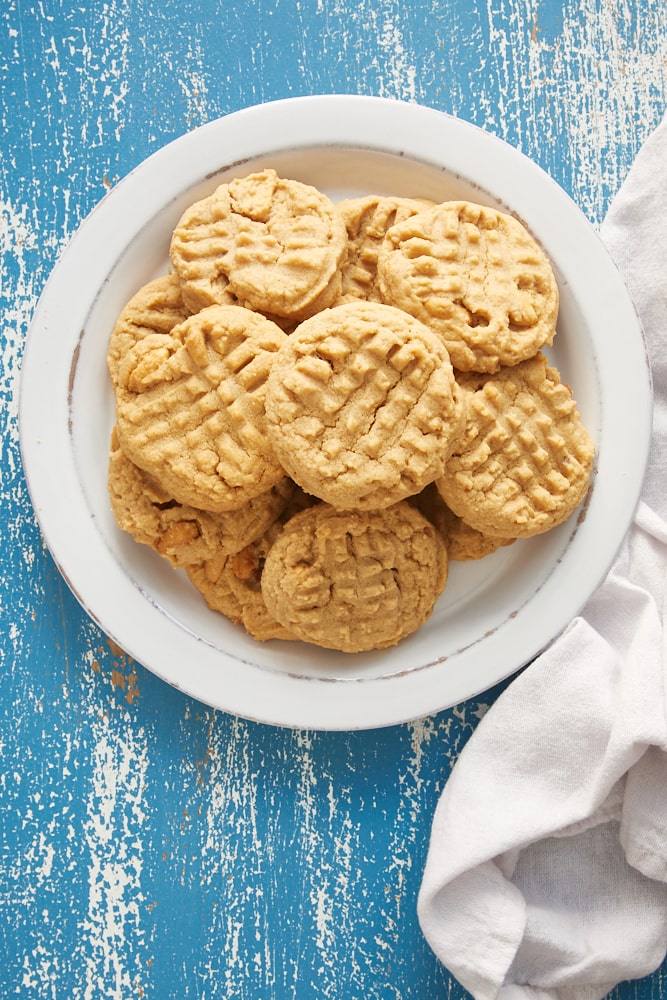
[362,406]
[190,407]
[230,582]
[464,544]
[181,533]
[367,220]
[354,580]
[269,243]
[155,308]
[476,277]
[524,460]
[231,585]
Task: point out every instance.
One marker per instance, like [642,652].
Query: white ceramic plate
[495,615]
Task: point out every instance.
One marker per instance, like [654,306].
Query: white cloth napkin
[546,874]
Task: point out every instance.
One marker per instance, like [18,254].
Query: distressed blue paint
[149,846]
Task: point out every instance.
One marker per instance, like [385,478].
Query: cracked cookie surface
[262,241]
[354,581]
[367,220]
[475,276]
[231,585]
[190,407]
[524,461]
[183,534]
[362,406]
[156,308]
[230,582]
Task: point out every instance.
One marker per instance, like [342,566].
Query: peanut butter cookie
[231,585]
[268,243]
[354,580]
[367,220]
[464,544]
[477,277]
[362,406]
[155,309]
[524,461]
[190,407]
[183,534]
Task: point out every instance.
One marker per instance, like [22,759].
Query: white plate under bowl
[496,614]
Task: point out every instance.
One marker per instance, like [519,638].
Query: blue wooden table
[150,846]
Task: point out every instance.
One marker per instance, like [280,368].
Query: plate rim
[349,114]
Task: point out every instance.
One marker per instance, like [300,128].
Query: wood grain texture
[149,846]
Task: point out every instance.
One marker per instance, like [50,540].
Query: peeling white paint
[41,972]
[609,100]
[595,82]
[296,855]
[116,815]
[194,88]
[395,60]
[17,289]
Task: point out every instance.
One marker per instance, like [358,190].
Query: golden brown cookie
[179,532]
[367,220]
[477,277]
[352,580]
[464,544]
[269,243]
[231,585]
[525,459]
[190,407]
[362,406]
[155,309]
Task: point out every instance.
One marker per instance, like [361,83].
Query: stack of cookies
[322,404]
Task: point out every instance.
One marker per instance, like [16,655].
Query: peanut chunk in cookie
[181,533]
